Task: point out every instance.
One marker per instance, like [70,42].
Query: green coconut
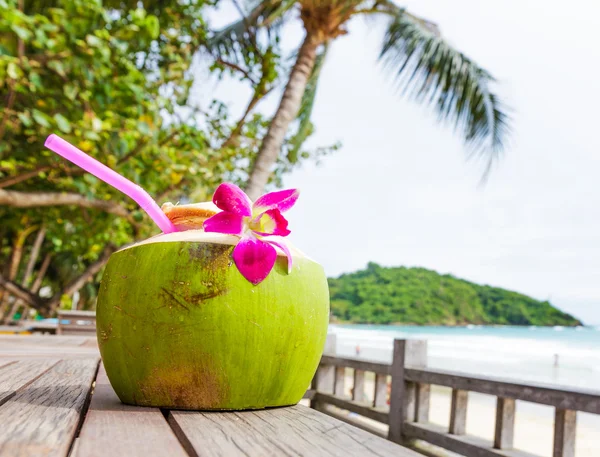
[179,327]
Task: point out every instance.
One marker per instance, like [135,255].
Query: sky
[400,190]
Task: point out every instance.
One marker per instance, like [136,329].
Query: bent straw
[140,196]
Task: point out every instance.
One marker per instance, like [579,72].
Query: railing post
[458,412]
[340,381]
[565,424]
[380,397]
[411,353]
[324,379]
[505,423]
[358,390]
[422,403]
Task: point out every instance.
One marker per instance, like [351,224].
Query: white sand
[534,426]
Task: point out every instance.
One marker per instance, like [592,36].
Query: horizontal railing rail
[545,394]
[400,398]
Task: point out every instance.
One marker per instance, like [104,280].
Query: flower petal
[225,222]
[270,222]
[286,250]
[281,200]
[230,197]
[254,259]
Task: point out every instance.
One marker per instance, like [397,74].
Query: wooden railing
[408,412]
[76,323]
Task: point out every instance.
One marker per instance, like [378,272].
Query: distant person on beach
[357,350]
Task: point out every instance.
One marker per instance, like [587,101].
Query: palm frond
[239,35]
[305,126]
[429,70]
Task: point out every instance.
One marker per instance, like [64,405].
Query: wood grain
[340,380]
[585,400]
[422,402]
[565,426]
[292,431]
[358,390]
[466,445]
[41,419]
[19,374]
[357,364]
[505,423]
[364,409]
[380,397]
[458,412]
[112,428]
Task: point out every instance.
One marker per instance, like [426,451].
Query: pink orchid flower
[254,255]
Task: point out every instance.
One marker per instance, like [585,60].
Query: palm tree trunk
[284,116]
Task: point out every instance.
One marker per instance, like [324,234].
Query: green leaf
[431,71]
[21,32]
[57,66]
[93,41]
[41,118]
[35,79]
[13,71]
[25,118]
[153,26]
[63,123]
[70,91]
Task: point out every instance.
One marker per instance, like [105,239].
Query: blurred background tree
[428,69]
[114,79]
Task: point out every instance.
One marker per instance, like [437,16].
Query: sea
[565,356]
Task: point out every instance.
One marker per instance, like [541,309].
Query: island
[417,296]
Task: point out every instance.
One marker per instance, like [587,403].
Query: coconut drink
[221,314]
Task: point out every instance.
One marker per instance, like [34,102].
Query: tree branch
[236,68]
[13,288]
[77,283]
[18,199]
[24,177]
[39,303]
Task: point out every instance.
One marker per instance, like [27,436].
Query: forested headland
[401,295]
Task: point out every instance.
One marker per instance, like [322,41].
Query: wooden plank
[18,375]
[406,353]
[586,400]
[458,412]
[381,386]
[76,314]
[358,390]
[422,406]
[505,423]
[355,421]
[42,418]
[293,431]
[112,428]
[465,445]
[340,380]
[565,425]
[357,364]
[379,415]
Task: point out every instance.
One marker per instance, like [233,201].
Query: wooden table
[55,400]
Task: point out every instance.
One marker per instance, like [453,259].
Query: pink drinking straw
[140,196]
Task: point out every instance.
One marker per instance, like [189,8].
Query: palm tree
[428,69]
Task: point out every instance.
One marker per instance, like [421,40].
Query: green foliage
[379,295]
[114,79]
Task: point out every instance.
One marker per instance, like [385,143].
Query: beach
[494,352]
